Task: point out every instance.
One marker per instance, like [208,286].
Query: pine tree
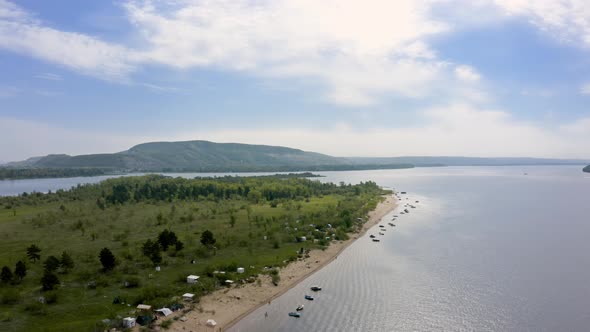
[34,253]
[66,263]
[107,259]
[20,271]
[6,274]
[49,280]
[51,264]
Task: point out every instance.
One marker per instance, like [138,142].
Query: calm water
[486,249]
[17,187]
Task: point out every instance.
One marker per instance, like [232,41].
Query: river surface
[485,249]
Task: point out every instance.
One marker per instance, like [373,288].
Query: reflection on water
[486,249]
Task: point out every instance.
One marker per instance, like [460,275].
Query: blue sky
[347,78]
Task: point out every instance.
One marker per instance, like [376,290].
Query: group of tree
[153,249]
[37,173]
[20,271]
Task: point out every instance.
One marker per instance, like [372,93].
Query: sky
[488,78]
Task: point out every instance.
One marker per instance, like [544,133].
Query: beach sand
[230,305]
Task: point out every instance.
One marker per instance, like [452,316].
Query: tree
[232,220]
[207,238]
[20,271]
[152,250]
[51,264]
[179,245]
[107,259]
[34,253]
[66,261]
[6,274]
[49,280]
[166,239]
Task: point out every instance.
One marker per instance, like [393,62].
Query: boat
[381,233]
[309,297]
[299,307]
[316,288]
[376,240]
[391,224]
[295,314]
[371,236]
[381,226]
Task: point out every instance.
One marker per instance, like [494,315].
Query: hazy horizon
[491,78]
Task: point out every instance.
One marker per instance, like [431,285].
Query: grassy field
[263,234]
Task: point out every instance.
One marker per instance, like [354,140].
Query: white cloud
[467,73]
[567,20]
[585,89]
[354,52]
[21,33]
[49,76]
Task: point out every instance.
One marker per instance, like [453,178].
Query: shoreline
[227,307]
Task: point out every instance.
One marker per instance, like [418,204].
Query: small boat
[381,226]
[309,297]
[391,224]
[376,240]
[316,288]
[381,233]
[371,236]
[295,314]
[299,307]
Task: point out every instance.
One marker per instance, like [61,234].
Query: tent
[211,322]
[164,311]
[188,296]
[128,322]
[192,279]
[144,307]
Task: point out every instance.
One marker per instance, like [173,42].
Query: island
[113,253]
[586,169]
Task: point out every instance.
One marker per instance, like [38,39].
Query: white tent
[164,311]
[188,296]
[211,322]
[128,322]
[144,307]
[192,279]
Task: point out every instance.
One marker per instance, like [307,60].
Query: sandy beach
[228,306]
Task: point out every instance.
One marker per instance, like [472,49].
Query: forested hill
[587,169]
[196,156]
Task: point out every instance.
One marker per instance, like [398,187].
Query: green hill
[198,156]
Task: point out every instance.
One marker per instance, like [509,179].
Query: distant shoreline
[228,307]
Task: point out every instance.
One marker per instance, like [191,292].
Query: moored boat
[295,314]
[300,307]
[316,288]
[309,297]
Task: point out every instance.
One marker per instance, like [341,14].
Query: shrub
[10,296]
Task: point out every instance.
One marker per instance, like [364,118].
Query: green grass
[83,229]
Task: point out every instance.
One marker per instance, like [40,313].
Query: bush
[10,296]
[132,282]
[166,324]
[50,297]
[36,308]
